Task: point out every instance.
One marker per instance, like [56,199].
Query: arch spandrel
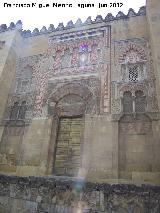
[70,105]
[71,88]
[58,99]
[132,54]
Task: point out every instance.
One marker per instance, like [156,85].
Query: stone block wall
[71,195]
[82,70]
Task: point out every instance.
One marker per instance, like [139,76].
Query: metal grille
[127,102]
[140,101]
[68,148]
[133,73]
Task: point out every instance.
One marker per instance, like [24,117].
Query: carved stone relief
[131,51]
[132,54]
[29,98]
[94,54]
[70,105]
[78,56]
[134,70]
[74,60]
[83,91]
[83,55]
[39,67]
[66,59]
[147,88]
[105,89]
[57,60]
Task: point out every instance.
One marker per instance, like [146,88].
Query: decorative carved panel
[73,54]
[84,94]
[133,71]
[70,105]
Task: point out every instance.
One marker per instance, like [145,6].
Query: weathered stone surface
[53,194]
[83,100]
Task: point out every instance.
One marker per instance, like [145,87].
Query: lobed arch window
[18,111]
[14,111]
[127,102]
[24,82]
[140,101]
[23,86]
[133,64]
[134,104]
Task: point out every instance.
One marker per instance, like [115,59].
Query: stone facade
[83,100]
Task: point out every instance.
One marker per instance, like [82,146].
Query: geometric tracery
[133,73]
[140,101]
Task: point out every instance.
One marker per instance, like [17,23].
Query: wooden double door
[68,146]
